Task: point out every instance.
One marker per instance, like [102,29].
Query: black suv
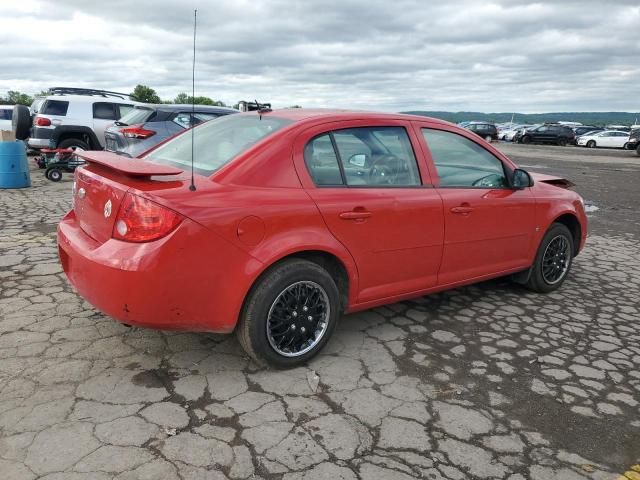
[488,131]
[549,133]
[634,140]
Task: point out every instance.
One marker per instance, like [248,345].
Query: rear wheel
[562,142]
[526,139]
[591,144]
[74,143]
[638,150]
[289,314]
[553,260]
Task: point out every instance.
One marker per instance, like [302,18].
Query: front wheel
[526,139]
[289,314]
[562,142]
[553,260]
[591,144]
[638,150]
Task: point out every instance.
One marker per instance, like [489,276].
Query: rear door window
[6,114]
[138,115]
[55,107]
[123,109]
[105,111]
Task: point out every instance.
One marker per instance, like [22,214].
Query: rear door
[104,114]
[377,201]
[488,226]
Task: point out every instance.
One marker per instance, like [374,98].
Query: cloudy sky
[392,55]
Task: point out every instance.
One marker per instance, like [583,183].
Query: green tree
[14,97]
[145,94]
[186,99]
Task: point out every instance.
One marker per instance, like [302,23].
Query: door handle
[465,208]
[355,215]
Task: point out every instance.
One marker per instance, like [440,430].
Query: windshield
[137,115]
[217,142]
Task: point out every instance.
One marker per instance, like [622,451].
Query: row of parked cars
[560,134]
[89,119]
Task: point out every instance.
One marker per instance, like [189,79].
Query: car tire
[553,260]
[53,174]
[526,139]
[21,122]
[262,336]
[638,150]
[562,142]
[488,139]
[73,143]
[591,144]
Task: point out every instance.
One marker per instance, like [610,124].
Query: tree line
[141,93]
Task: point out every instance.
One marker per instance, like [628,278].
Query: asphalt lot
[488,381]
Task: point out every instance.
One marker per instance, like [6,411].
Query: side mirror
[521,179]
[358,160]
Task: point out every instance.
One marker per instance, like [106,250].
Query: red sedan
[298,216]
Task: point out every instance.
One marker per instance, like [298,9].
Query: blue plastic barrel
[14,168]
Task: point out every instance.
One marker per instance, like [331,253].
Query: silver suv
[77,117]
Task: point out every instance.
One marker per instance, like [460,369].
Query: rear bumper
[179,282]
[38,142]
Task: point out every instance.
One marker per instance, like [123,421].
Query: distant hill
[587,118]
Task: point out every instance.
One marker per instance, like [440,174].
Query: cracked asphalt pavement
[488,381]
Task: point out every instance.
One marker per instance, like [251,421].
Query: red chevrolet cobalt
[298,216]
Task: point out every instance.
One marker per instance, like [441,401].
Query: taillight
[141,220]
[136,131]
[41,122]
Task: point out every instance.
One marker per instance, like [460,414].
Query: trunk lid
[101,186]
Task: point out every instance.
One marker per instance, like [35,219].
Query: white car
[607,138]
[75,117]
[5,117]
[507,135]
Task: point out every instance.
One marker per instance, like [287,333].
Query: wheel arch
[332,263]
[64,132]
[570,221]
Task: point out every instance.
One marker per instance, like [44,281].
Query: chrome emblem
[82,192]
[107,209]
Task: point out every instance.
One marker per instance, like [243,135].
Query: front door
[488,225]
[368,187]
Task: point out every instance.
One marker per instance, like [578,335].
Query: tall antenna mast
[192,187]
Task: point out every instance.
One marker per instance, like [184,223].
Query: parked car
[296,216]
[606,138]
[517,137]
[549,133]
[488,131]
[509,134]
[6,112]
[146,126]
[76,117]
[634,140]
[583,130]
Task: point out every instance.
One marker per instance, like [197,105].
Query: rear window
[217,142]
[6,114]
[137,115]
[54,107]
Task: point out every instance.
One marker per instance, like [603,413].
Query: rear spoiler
[133,167]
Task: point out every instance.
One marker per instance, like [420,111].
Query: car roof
[310,114]
[90,99]
[176,107]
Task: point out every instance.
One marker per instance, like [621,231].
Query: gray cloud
[462,55]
